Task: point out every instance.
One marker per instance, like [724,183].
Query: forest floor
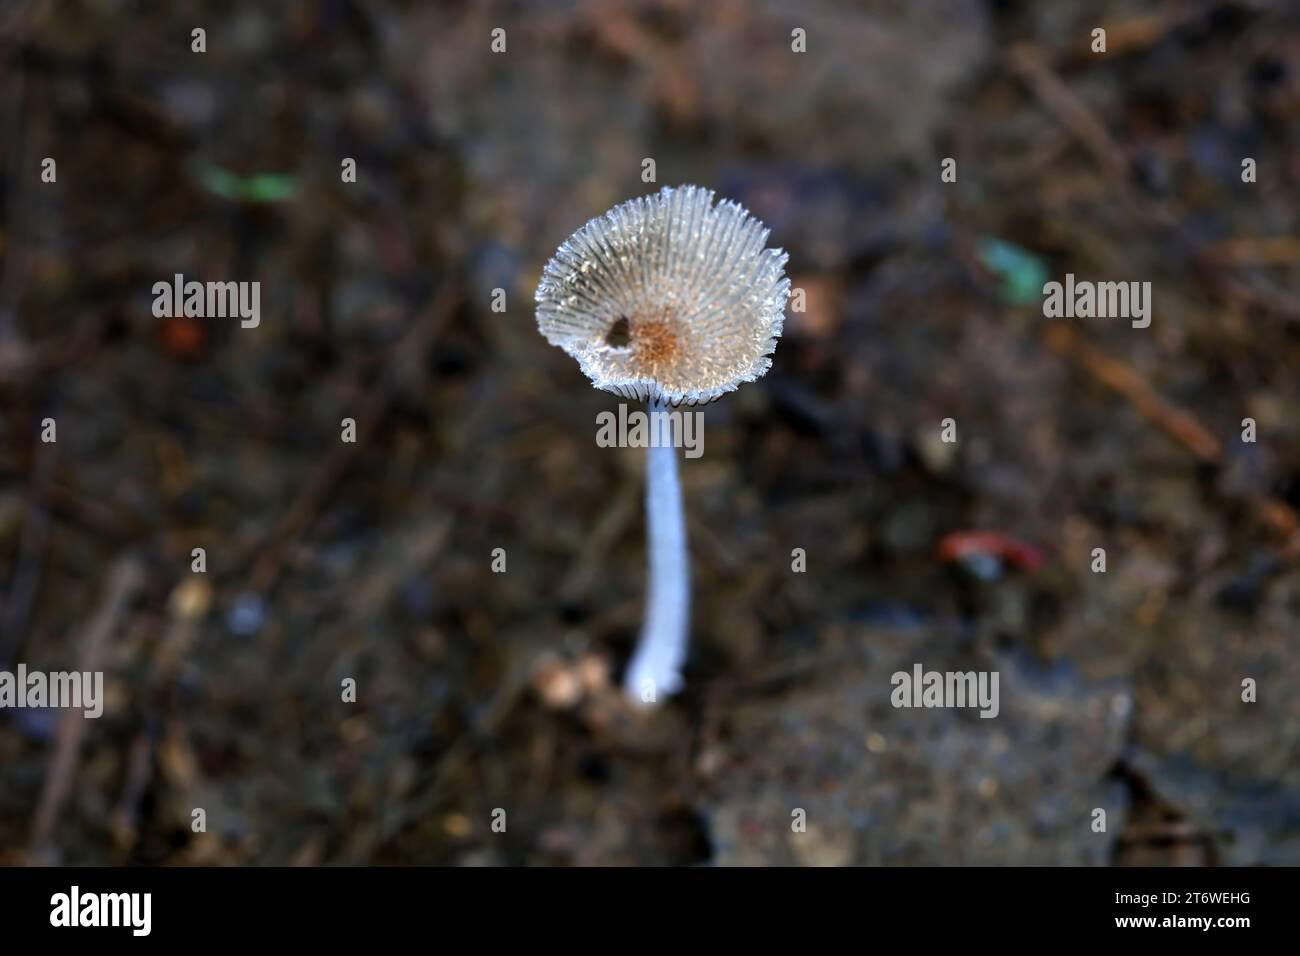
[481,691]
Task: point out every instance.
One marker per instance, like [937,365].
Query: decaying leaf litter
[483,690]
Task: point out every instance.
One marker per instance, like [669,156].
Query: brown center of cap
[655,342]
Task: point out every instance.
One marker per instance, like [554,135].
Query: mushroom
[671,300]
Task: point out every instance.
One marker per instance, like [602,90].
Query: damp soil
[474,562]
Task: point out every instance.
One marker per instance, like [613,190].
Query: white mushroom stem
[655,670]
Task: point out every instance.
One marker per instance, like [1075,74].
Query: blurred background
[372,560]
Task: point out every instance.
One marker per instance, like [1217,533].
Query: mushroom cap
[667,297]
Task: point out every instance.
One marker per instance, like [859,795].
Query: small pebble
[246,615]
[557,684]
[191,598]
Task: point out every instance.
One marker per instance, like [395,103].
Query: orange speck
[184,337]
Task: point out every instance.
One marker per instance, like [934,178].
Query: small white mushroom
[668,299]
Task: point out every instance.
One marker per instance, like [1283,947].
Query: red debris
[1012,551]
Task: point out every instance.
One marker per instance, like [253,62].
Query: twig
[1113,373]
[124,581]
[1173,421]
[1031,66]
[139,773]
[1255,251]
[1142,31]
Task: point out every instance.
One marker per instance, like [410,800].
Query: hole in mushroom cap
[619,335]
[644,344]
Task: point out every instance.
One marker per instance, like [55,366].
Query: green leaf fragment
[258,188]
[1023,273]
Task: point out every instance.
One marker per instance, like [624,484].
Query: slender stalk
[655,670]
